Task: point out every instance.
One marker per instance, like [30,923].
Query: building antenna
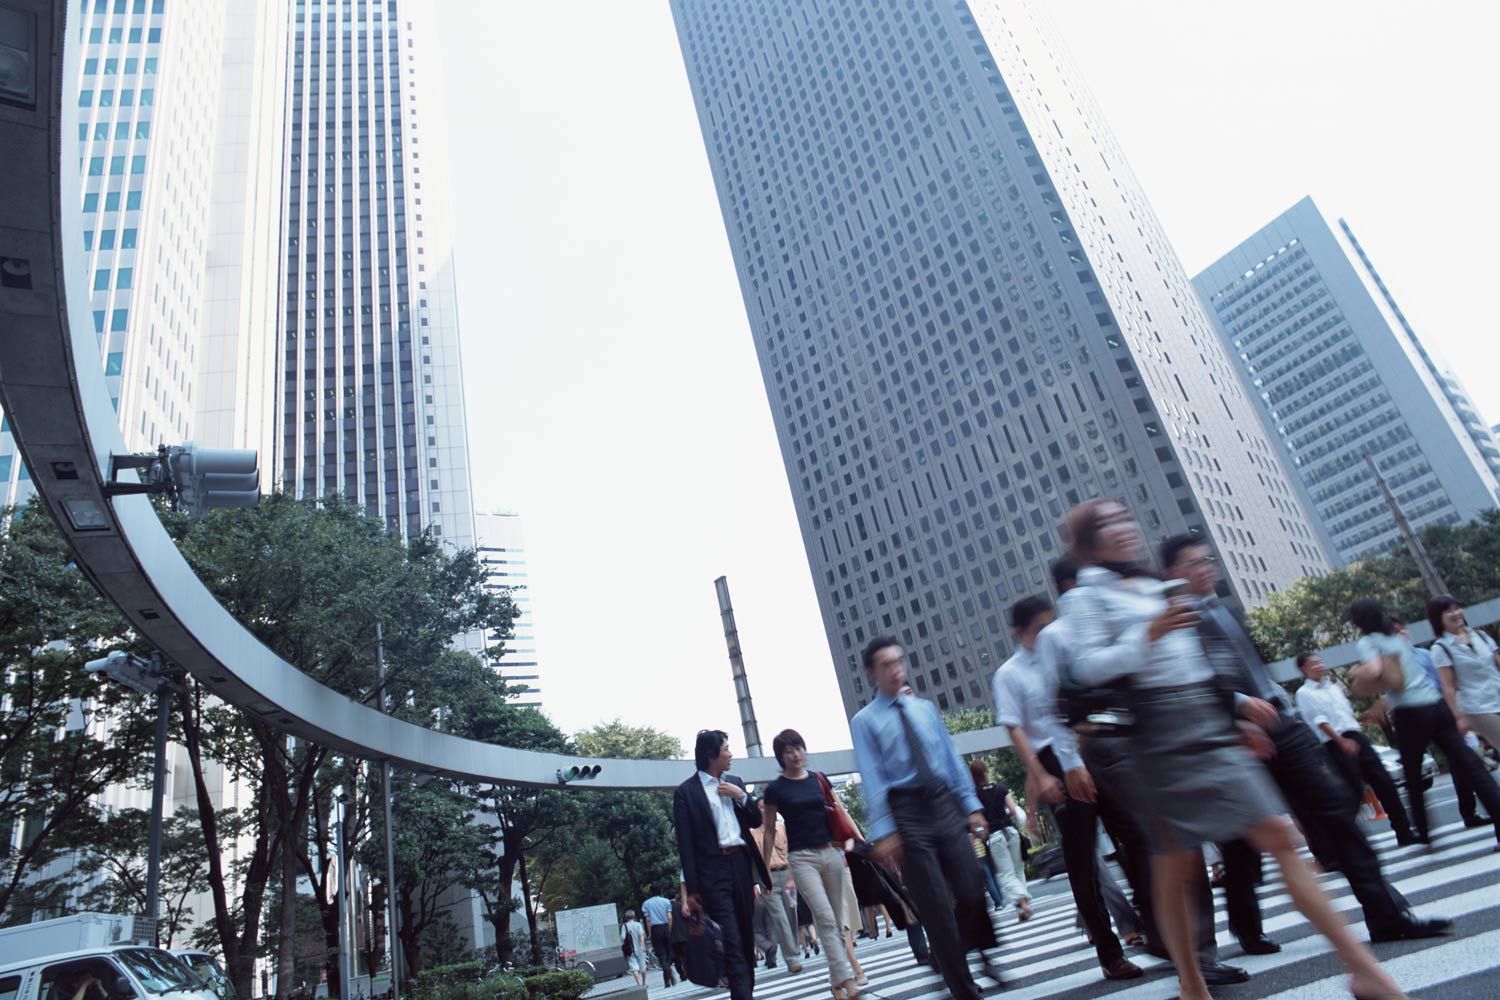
[737,668]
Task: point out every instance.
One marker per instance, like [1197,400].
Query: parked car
[1047,861]
[121,972]
[1392,761]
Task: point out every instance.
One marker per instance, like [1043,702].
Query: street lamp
[149,677]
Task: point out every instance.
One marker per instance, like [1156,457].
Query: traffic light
[585,772]
[214,478]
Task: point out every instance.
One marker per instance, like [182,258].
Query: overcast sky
[614,396]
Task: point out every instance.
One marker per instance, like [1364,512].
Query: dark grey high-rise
[968,319]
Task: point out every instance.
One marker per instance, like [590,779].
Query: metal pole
[391,909]
[158,800]
[737,669]
[342,888]
[1430,576]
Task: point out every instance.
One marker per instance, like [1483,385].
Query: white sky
[614,396]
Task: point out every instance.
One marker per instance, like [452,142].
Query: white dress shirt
[1325,701]
[725,822]
[1025,693]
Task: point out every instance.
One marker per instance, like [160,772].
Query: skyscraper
[501,546]
[967,318]
[1337,372]
[371,396]
[156,168]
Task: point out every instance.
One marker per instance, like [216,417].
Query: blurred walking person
[1421,716]
[1006,819]
[1325,707]
[1122,625]
[922,811]
[774,916]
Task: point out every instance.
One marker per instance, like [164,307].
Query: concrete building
[501,544]
[371,398]
[1337,372]
[968,319]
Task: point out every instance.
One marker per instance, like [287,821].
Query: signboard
[589,928]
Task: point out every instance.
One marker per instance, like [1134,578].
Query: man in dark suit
[1324,806]
[721,867]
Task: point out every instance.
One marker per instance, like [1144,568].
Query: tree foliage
[1312,612]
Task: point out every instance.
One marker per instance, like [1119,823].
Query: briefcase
[705,951]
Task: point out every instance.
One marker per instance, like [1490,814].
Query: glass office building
[1338,373]
[500,543]
[371,398]
[968,319]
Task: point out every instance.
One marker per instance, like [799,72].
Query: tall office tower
[968,319]
[371,398]
[1338,373]
[148,83]
[501,544]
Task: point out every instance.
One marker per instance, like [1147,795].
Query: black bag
[627,946]
[705,951]
[1098,711]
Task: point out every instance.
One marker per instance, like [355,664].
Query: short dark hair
[1064,574]
[1436,608]
[1173,548]
[1027,610]
[874,646]
[1302,659]
[785,739]
[710,742]
[1368,615]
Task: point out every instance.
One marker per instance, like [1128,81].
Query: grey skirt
[1199,783]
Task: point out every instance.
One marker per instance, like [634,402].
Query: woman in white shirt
[1198,781]
[1419,713]
[1469,667]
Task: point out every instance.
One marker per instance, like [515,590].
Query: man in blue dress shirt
[923,809]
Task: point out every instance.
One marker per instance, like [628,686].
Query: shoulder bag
[840,826]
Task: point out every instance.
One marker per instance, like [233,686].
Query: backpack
[628,945]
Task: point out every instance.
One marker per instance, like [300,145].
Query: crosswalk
[1046,957]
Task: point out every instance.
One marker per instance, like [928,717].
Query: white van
[121,972]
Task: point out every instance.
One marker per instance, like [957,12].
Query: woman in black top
[817,863]
[1001,813]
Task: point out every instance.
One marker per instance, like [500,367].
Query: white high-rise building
[968,319]
[1336,372]
[371,394]
[501,545]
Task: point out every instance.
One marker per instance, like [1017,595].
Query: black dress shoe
[1220,974]
[1413,929]
[1474,821]
[1259,946]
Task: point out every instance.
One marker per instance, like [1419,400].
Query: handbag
[704,954]
[840,826]
[1366,681]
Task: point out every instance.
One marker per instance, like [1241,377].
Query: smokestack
[737,669]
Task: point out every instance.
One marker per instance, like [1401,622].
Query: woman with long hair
[1198,782]
[1421,717]
[817,862]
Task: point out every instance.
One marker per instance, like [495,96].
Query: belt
[737,848]
[781,869]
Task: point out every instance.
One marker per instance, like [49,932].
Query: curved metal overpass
[53,392]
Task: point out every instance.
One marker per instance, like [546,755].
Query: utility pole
[164,691]
[391,908]
[1430,576]
[341,886]
[737,669]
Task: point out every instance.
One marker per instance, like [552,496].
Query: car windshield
[158,971]
[208,970]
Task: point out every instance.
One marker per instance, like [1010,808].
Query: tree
[616,739]
[114,860]
[1312,612]
[1005,767]
[64,736]
[310,579]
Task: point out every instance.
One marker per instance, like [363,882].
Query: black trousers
[1078,822]
[1323,802]
[1366,769]
[727,890]
[1432,725]
[661,944]
[944,884]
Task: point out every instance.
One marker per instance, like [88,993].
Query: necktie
[927,778]
[1251,665]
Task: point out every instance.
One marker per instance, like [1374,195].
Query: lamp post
[149,677]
